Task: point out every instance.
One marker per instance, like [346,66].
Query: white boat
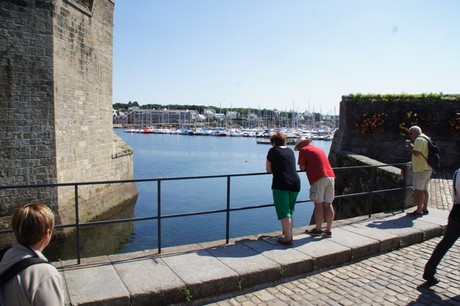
[131,131]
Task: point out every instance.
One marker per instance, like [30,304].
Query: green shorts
[284,202]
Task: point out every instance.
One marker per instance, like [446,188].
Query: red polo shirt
[316,163]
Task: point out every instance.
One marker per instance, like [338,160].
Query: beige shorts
[322,190]
[421,180]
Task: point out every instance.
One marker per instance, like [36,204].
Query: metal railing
[227,210]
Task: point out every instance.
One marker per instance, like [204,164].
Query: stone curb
[202,271]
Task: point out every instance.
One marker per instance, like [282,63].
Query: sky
[299,55]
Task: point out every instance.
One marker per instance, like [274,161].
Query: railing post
[371,192]
[227,230]
[159,214]
[77,224]
[404,182]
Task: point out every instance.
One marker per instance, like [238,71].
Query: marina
[292,134]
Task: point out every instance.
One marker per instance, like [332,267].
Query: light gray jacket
[39,284]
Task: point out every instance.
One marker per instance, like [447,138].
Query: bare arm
[268,166]
[302,162]
[410,146]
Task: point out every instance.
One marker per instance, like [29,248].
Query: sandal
[284,241]
[415,213]
[314,232]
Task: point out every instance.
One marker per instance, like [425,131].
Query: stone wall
[361,134]
[376,178]
[372,131]
[56,107]
[27,132]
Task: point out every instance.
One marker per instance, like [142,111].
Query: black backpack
[433,154]
[19,266]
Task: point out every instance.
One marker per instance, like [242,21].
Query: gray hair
[416,128]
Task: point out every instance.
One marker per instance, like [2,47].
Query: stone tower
[56,107]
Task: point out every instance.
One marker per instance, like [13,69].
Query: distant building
[232,115]
[219,116]
[148,117]
[199,118]
[119,118]
[209,114]
[299,118]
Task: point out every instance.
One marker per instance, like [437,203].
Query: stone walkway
[441,190]
[393,278]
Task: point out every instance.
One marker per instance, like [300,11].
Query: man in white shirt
[422,171]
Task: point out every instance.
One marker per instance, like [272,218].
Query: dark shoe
[431,280]
[284,241]
[314,232]
[425,212]
[327,234]
[415,214]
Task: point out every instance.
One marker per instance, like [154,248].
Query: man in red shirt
[321,177]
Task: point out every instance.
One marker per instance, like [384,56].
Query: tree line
[201,108]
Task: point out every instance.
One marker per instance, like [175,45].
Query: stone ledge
[146,278]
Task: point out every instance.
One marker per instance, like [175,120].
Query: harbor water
[174,156]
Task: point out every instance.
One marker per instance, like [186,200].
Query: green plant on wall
[86,3]
[239,284]
[187,294]
[412,118]
[370,122]
[392,97]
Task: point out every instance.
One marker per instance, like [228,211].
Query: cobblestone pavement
[394,278]
[441,190]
